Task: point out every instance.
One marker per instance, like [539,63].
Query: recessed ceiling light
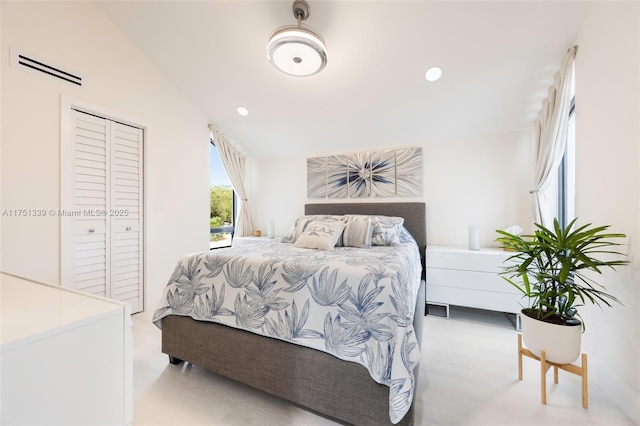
[433,74]
[242,111]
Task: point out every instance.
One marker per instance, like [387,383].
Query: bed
[284,347]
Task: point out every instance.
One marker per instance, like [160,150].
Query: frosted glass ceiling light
[297,50]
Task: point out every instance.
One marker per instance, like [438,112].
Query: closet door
[101,215]
[88,254]
[126,215]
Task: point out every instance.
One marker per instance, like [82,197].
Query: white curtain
[234,164]
[551,136]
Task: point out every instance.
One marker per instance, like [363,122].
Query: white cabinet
[461,277]
[102,208]
[65,356]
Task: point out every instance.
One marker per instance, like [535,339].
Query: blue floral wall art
[387,173]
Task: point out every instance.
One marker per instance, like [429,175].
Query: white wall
[483,181]
[77,37]
[276,192]
[608,186]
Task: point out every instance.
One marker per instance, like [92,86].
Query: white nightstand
[462,277]
[243,241]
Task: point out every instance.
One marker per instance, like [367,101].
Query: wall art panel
[383,173]
[359,175]
[317,177]
[337,180]
[409,172]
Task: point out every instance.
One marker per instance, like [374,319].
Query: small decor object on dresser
[474,237]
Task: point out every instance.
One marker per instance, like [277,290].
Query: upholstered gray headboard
[414,215]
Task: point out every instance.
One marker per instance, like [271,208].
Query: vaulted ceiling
[497,57]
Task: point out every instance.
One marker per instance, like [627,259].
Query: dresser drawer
[474,280]
[485,260]
[491,301]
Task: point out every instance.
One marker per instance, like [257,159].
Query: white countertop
[30,310]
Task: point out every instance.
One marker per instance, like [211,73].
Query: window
[222,202]
[567,172]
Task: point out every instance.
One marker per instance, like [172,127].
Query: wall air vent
[26,61]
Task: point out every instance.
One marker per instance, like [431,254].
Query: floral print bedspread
[357,304]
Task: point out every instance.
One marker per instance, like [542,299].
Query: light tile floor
[468,376]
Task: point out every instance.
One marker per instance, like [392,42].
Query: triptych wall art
[388,173]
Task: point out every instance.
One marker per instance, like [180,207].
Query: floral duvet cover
[354,303]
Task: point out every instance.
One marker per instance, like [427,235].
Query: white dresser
[65,356]
[462,277]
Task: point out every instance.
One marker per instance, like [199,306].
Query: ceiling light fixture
[297,50]
[433,74]
[242,111]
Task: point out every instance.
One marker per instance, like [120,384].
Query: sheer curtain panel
[551,136]
[234,165]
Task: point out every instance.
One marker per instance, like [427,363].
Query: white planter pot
[561,343]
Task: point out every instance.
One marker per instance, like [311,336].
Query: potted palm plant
[554,269]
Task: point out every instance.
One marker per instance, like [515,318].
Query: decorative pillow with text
[321,235]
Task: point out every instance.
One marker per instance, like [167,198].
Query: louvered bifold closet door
[126,215]
[90,192]
[101,209]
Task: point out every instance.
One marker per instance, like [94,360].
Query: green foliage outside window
[221,205]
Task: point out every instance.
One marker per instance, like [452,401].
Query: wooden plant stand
[544,367]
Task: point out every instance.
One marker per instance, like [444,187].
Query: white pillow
[327,218]
[386,229]
[296,230]
[321,235]
[357,233]
[301,224]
